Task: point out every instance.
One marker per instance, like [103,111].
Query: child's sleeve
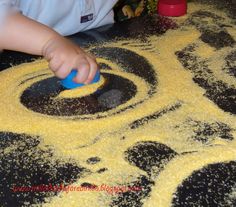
[6,7]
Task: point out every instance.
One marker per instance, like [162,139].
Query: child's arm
[20,33]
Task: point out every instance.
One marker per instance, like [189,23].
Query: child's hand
[127,11]
[63,56]
[23,34]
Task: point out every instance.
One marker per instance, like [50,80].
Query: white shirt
[65,16]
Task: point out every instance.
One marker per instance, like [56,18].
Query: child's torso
[68,16]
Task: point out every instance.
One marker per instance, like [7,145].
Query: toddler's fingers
[93,69]
[83,72]
[55,64]
[63,71]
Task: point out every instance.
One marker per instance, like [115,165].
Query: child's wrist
[48,45]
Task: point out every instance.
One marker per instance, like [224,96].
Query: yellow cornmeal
[72,138]
[82,91]
[163,196]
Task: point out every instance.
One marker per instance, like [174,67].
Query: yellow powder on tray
[82,91]
[108,134]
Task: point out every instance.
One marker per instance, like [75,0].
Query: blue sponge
[70,84]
